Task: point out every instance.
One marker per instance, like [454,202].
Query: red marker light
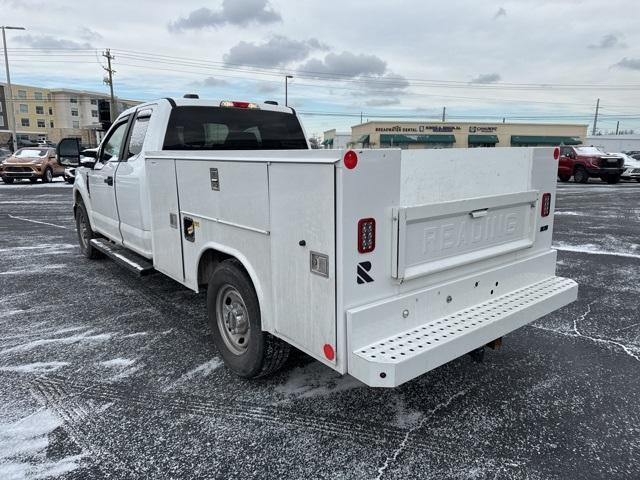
[546,205]
[556,153]
[350,159]
[366,235]
[329,352]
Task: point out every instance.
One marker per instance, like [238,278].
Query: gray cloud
[210,82]
[264,87]
[500,13]
[48,42]
[382,102]
[277,51]
[346,64]
[629,63]
[487,78]
[389,83]
[608,41]
[233,12]
[88,34]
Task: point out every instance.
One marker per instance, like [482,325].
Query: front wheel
[611,179]
[85,233]
[234,318]
[7,180]
[48,175]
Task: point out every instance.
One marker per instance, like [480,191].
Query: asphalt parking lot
[106,375]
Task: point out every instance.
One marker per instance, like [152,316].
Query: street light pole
[286,93]
[11,115]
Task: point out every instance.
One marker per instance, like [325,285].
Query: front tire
[580,175]
[47,177]
[85,233]
[234,318]
[7,180]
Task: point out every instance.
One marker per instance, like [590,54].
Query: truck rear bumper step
[396,359]
[123,257]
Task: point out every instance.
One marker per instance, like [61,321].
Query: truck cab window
[113,144]
[138,133]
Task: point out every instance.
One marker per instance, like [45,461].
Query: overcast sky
[545,60]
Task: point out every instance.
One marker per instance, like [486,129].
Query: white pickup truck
[382,264]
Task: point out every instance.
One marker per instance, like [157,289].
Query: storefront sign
[482,129]
[419,129]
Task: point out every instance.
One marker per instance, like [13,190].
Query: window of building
[22,94]
[24,108]
[94,113]
[24,122]
[50,111]
[48,96]
[38,95]
[0,107]
[94,101]
[76,124]
[73,100]
[39,110]
[74,112]
[51,124]
[41,123]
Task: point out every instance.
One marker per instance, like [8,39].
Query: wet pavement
[106,375]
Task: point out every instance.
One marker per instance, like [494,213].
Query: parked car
[46,144]
[583,162]
[85,153]
[32,163]
[631,167]
[4,153]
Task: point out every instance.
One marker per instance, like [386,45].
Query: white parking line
[37,221]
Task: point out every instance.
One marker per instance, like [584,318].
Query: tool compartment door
[302,211]
[436,237]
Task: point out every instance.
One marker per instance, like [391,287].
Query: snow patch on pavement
[568,213]
[43,269]
[37,367]
[23,447]
[83,337]
[593,249]
[204,370]
[314,380]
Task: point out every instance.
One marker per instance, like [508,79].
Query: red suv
[585,162]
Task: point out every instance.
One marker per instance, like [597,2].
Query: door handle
[109,181]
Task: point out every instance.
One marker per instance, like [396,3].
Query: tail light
[350,159]
[546,205]
[228,103]
[366,235]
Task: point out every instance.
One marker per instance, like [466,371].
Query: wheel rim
[83,231]
[233,319]
[49,175]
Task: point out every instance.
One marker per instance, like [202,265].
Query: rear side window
[218,128]
[139,132]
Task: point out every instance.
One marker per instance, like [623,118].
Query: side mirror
[68,151]
[88,162]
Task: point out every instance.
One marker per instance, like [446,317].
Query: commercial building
[615,143]
[53,114]
[464,134]
[335,139]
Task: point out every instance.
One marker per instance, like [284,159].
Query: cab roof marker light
[234,104]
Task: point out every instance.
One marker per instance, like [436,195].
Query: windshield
[217,128]
[30,152]
[589,150]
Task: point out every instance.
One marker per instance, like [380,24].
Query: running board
[123,257]
[393,360]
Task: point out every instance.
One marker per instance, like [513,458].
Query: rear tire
[564,178]
[234,318]
[580,175]
[85,234]
[611,179]
[7,180]
[47,176]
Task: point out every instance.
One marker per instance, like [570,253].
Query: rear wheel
[564,178]
[85,234]
[234,318]
[610,178]
[7,180]
[580,175]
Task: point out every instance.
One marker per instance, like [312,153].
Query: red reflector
[556,153]
[366,235]
[228,103]
[329,352]
[546,204]
[350,159]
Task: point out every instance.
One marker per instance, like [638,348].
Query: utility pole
[11,114]
[286,92]
[595,119]
[444,113]
[109,81]
[617,126]
[360,117]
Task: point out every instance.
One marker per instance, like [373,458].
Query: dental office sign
[419,129]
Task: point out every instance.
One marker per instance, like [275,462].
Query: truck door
[565,164]
[104,210]
[132,206]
